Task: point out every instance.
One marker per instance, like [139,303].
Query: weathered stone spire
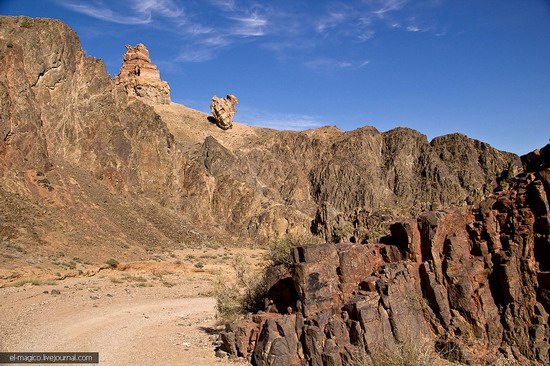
[141,77]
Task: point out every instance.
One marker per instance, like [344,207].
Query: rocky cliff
[86,164]
[472,282]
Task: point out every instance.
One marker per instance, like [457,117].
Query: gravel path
[126,323]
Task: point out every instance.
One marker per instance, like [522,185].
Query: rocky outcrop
[100,167]
[473,282]
[141,78]
[223,110]
[72,134]
[351,184]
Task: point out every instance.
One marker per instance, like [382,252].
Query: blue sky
[479,67]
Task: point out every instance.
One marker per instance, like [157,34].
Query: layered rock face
[141,78]
[346,185]
[80,164]
[473,282]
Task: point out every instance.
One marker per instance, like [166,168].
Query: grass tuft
[111,262]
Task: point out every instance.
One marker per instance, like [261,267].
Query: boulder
[223,110]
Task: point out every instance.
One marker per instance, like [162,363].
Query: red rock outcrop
[141,78]
[472,281]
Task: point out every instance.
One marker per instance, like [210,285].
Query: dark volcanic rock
[473,281]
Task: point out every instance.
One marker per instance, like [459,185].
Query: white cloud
[196,55]
[250,25]
[413,28]
[325,64]
[142,11]
[166,8]
[287,32]
[386,6]
[107,15]
[366,35]
[295,122]
[331,20]
[227,5]
[195,29]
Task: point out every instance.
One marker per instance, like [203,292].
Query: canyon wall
[472,282]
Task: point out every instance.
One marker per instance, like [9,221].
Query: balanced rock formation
[223,110]
[472,282]
[141,77]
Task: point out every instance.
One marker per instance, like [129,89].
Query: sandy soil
[190,127]
[143,313]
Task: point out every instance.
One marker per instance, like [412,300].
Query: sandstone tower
[141,77]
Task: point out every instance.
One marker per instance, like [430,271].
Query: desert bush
[115,280]
[235,299]
[228,301]
[247,293]
[503,361]
[111,262]
[412,352]
[279,252]
[32,281]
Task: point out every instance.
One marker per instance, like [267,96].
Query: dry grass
[413,352]
[279,252]
[235,299]
[247,292]
[33,282]
[507,362]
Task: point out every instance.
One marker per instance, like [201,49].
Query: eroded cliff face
[473,282]
[349,182]
[82,164]
[82,153]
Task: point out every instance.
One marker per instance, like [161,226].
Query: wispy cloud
[107,14]
[207,42]
[166,8]
[421,27]
[292,31]
[413,28]
[325,64]
[331,20]
[196,55]
[140,11]
[279,121]
[250,25]
[381,7]
[227,5]
[195,29]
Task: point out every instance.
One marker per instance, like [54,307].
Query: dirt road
[130,318]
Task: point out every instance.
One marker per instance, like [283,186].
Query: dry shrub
[279,252]
[503,361]
[228,301]
[247,292]
[412,352]
[235,299]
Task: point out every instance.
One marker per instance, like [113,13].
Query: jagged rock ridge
[99,166]
[474,282]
